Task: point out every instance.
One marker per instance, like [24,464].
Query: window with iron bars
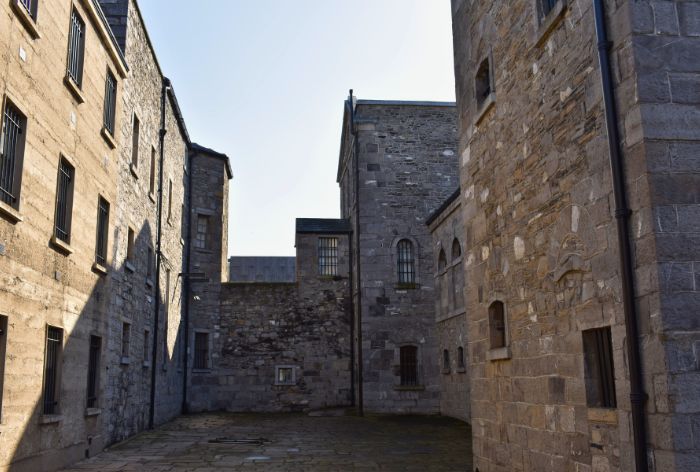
[201,351]
[406,262]
[328,256]
[12,147]
[110,102]
[30,6]
[599,368]
[3,347]
[76,48]
[94,371]
[64,201]
[52,363]
[126,339]
[102,231]
[408,365]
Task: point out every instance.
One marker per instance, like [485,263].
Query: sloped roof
[322,225]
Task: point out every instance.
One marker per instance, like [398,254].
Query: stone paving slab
[292,442]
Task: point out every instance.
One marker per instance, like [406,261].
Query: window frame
[327,253]
[406,263]
[135,144]
[201,353]
[461,360]
[65,213]
[293,379]
[53,360]
[4,328]
[446,362]
[110,103]
[93,377]
[80,44]
[28,16]
[13,172]
[599,368]
[102,238]
[498,352]
[408,371]
[125,342]
[202,244]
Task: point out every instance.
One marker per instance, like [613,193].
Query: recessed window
[328,256]
[152,177]
[149,262]
[200,241]
[102,231]
[446,360]
[483,83]
[126,340]
[146,346]
[408,367]
[170,200]
[94,371]
[442,261]
[406,262]
[14,125]
[497,325]
[599,368]
[456,250]
[30,6]
[130,242]
[201,351]
[110,102]
[135,138]
[547,6]
[285,375]
[461,364]
[76,48]
[52,363]
[3,351]
[64,200]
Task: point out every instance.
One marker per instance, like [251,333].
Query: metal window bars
[102,231]
[76,43]
[30,6]
[406,262]
[201,351]
[10,158]
[200,241]
[409,365]
[54,340]
[63,201]
[328,256]
[93,370]
[110,102]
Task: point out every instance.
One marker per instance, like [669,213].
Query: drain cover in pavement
[245,441]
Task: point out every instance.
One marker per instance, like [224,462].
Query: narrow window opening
[547,6]
[442,261]
[130,241]
[110,102]
[93,371]
[64,200]
[497,325]
[408,365]
[460,358]
[200,241]
[12,147]
[483,82]
[599,368]
[76,48]
[126,340]
[102,231]
[136,131]
[446,360]
[284,375]
[406,262]
[328,256]
[52,362]
[201,350]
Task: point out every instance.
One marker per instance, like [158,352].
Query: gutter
[159,255]
[622,215]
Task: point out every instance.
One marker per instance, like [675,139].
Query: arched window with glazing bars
[406,262]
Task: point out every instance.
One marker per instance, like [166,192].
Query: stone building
[581,231]
[397,163]
[447,229]
[262,269]
[93,240]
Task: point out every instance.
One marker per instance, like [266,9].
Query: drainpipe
[352,324]
[356,156]
[186,281]
[622,215]
[159,217]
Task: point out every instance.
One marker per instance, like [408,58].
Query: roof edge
[212,153]
[410,103]
[94,7]
[445,205]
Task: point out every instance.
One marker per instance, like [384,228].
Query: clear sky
[264,81]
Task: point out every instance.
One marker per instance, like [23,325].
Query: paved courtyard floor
[292,442]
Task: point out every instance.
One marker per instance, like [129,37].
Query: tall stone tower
[553,302]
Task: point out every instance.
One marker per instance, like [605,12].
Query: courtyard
[292,442]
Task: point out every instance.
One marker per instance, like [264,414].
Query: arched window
[406,262]
[446,360]
[409,365]
[460,358]
[497,325]
[442,261]
[456,249]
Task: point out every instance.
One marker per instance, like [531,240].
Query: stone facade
[262,269]
[405,156]
[541,236]
[447,228]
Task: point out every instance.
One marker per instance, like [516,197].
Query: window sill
[461,370]
[329,277]
[202,371]
[74,89]
[152,196]
[10,213]
[26,19]
[99,268]
[124,360]
[203,251]
[108,138]
[284,385]
[50,419]
[485,106]
[61,246]
[146,364]
[602,415]
[129,266]
[133,170]
[409,388]
[93,412]
[499,354]
[446,371]
[550,22]
[407,286]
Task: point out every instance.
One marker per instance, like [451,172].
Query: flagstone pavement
[292,442]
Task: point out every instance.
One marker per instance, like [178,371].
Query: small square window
[285,375]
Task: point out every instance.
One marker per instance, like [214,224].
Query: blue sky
[264,81]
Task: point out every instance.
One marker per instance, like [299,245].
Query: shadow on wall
[98,390]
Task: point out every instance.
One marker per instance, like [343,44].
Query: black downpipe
[186,282]
[352,324]
[622,215]
[159,217]
[355,149]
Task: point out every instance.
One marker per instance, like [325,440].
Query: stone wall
[447,230]
[541,233]
[407,168]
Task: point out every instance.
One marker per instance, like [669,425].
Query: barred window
[3,347]
[126,339]
[64,200]
[497,325]
[135,133]
[328,256]
[12,146]
[93,371]
[76,48]
[52,363]
[599,368]
[408,365]
[110,102]
[285,375]
[30,6]
[406,262]
[460,358]
[200,241]
[201,350]
[102,231]
[152,177]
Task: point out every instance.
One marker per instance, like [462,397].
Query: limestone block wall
[408,167]
[447,231]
